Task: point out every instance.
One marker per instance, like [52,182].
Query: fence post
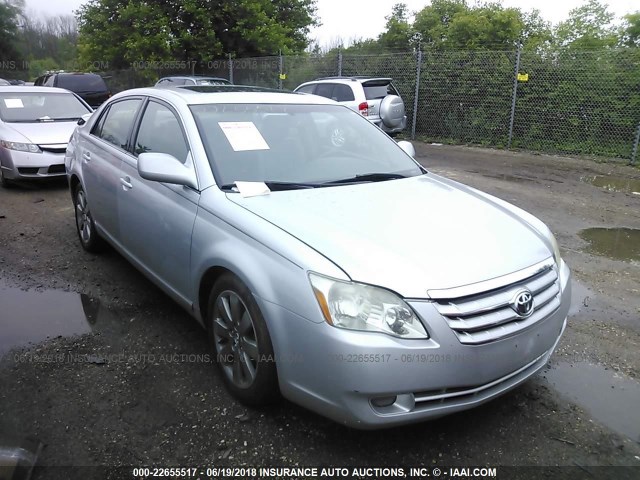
[634,152]
[281,71]
[416,93]
[230,69]
[339,62]
[515,95]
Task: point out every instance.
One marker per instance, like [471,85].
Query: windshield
[40,107]
[82,83]
[309,144]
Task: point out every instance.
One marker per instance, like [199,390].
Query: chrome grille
[488,316]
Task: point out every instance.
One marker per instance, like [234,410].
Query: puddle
[616,243]
[613,184]
[610,397]
[32,316]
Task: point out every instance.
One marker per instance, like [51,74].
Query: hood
[410,235]
[41,133]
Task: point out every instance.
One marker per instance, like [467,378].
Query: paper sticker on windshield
[243,136]
[13,103]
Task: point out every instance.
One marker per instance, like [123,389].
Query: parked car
[89,86]
[36,124]
[325,263]
[178,80]
[4,83]
[377,99]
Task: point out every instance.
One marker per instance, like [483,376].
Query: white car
[36,124]
[376,98]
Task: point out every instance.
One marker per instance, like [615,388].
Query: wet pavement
[138,388]
[610,397]
[613,183]
[615,243]
[32,316]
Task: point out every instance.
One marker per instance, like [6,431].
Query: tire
[241,342]
[5,182]
[86,228]
[392,111]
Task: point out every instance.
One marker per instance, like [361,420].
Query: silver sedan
[36,124]
[325,263]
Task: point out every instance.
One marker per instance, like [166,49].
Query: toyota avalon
[325,263]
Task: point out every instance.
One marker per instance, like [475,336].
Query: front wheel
[5,182]
[89,237]
[241,342]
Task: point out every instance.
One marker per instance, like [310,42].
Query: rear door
[156,219]
[101,153]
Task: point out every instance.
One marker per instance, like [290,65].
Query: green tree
[487,26]
[452,24]
[630,35]
[433,21]
[588,26]
[124,31]
[10,14]
[398,31]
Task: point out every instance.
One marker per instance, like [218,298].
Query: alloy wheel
[235,339]
[83,217]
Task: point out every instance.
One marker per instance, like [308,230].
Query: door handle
[86,156]
[126,183]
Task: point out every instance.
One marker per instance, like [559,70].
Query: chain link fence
[567,101]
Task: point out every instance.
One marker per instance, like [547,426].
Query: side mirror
[408,148]
[162,167]
[84,118]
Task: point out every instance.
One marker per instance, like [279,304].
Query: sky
[356,19]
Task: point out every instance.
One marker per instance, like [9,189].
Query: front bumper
[343,374]
[27,166]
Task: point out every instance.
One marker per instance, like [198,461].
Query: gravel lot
[96,399]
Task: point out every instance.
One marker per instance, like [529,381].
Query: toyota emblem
[522,303]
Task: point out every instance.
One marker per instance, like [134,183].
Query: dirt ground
[106,409]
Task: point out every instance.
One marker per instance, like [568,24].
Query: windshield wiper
[276,186]
[66,119]
[367,177]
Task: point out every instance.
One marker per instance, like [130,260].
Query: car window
[376,90]
[82,82]
[325,90]
[118,121]
[211,81]
[342,93]
[160,132]
[49,81]
[22,106]
[307,88]
[295,143]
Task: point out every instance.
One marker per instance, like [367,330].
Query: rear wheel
[241,342]
[89,237]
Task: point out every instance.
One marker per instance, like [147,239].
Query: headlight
[556,249]
[355,306]
[21,147]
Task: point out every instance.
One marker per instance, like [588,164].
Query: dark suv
[88,86]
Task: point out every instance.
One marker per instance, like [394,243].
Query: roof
[197,95]
[355,78]
[195,77]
